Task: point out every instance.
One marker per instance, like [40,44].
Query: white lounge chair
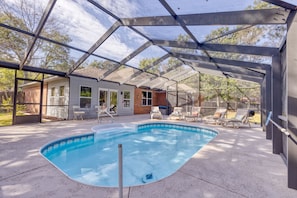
[156,113]
[77,112]
[194,115]
[241,117]
[176,114]
[217,117]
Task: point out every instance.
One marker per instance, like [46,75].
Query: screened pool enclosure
[155,45]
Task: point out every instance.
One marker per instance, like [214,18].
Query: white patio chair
[77,112]
[101,110]
[176,114]
[156,113]
[194,115]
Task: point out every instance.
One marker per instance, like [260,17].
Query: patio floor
[237,163]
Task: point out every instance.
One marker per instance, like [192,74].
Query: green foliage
[266,35]
[20,109]
[258,4]
[7,104]
[212,86]
[104,65]
[56,56]
[12,44]
[148,62]
[7,79]
[183,38]
[249,36]
[5,119]
[227,89]
[6,101]
[86,92]
[174,63]
[25,15]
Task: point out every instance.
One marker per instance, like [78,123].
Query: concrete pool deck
[237,163]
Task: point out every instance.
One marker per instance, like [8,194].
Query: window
[146,98]
[61,91]
[61,94]
[85,97]
[127,98]
[53,90]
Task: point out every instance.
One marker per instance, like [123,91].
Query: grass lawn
[255,119]
[5,119]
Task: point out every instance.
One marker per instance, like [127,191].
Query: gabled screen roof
[152,44]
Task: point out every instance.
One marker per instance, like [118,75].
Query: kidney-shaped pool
[151,152]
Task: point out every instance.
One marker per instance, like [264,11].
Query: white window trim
[125,99]
[53,94]
[147,98]
[84,97]
[63,91]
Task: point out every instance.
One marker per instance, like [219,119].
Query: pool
[151,152]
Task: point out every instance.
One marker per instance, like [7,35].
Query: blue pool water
[150,152]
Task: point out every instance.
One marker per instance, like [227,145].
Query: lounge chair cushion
[175,113]
[239,117]
[195,113]
[217,115]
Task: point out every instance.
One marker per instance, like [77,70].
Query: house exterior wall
[31,93]
[161,98]
[61,106]
[158,99]
[57,104]
[91,111]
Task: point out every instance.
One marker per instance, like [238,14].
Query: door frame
[108,98]
[26,118]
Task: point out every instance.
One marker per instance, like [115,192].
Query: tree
[103,65]
[25,15]
[265,35]
[146,62]
[12,45]
[173,62]
[6,76]
[260,34]
[55,56]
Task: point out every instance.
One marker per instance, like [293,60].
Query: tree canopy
[25,15]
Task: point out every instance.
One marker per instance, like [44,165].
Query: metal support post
[120,170]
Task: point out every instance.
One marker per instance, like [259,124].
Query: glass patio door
[109,98]
[113,101]
[103,97]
